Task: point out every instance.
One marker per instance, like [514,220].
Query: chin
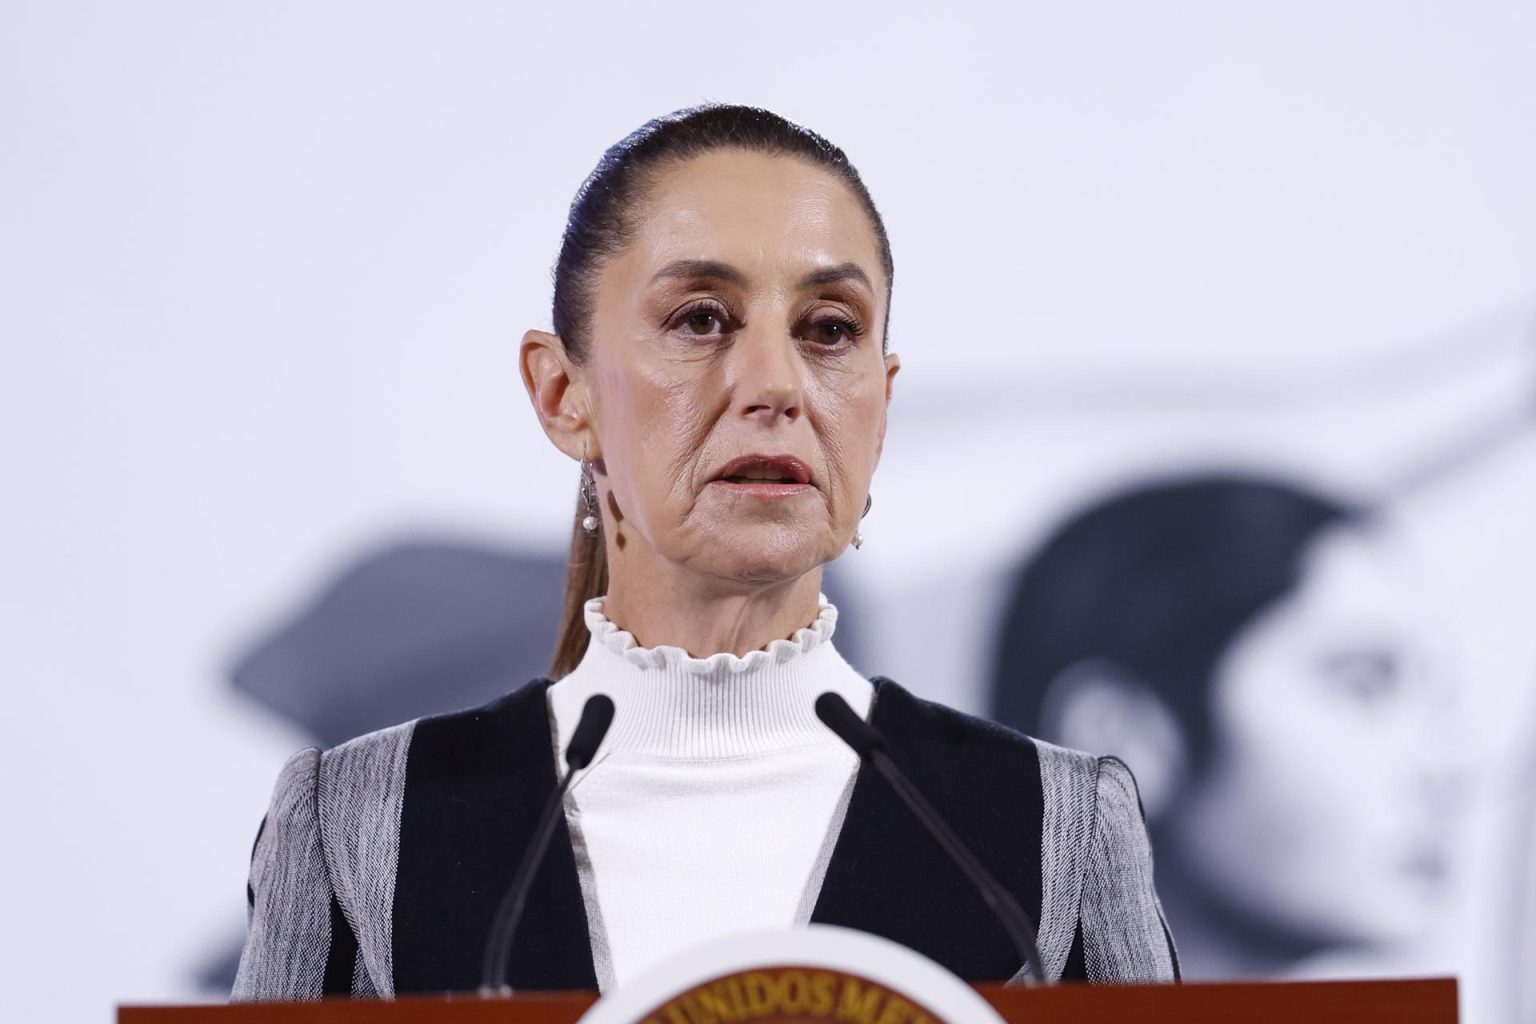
[766,571]
[1379,921]
[765,563]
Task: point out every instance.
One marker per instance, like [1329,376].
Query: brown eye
[702,320]
[831,331]
[701,323]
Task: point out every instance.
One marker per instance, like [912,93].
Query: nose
[768,377]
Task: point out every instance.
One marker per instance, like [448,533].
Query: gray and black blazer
[380,863]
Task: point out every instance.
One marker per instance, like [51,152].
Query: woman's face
[1322,814]
[744,318]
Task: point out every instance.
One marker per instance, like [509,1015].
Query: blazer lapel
[475,783]
[888,876]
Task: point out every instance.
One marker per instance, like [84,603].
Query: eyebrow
[701,268]
[719,271]
[836,273]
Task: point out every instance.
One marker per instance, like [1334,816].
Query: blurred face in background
[1321,813]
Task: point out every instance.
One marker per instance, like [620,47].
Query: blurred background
[1212,446]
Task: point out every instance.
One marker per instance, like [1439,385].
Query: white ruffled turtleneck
[715,799]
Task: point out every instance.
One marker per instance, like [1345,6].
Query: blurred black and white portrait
[1265,662]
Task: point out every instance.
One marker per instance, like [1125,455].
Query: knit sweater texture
[713,803]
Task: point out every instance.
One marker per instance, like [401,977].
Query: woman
[1250,648]
[719,369]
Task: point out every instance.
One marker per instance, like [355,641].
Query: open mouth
[766,471]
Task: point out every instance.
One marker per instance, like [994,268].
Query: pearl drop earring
[588,497]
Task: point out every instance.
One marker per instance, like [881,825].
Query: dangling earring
[588,497]
[858,537]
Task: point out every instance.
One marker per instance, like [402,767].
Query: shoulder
[1074,781]
[358,789]
[986,776]
[291,819]
[1118,800]
[1101,919]
[511,730]
[355,803]
[288,893]
[291,826]
[901,715]
[363,763]
[452,741]
[1059,785]
[1125,935]
[1078,810]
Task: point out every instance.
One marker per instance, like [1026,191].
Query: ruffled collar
[622,643]
[675,706]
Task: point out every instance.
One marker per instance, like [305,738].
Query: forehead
[1346,572]
[1356,588]
[765,214]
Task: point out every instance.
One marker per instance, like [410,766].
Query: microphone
[596,717]
[836,715]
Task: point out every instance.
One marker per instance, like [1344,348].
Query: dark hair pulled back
[601,223]
[1157,582]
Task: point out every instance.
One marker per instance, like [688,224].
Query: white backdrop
[264,266]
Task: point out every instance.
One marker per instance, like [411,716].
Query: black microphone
[836,715]
[596,717]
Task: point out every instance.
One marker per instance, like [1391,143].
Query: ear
[1097,706]
[892,367]
[558,393]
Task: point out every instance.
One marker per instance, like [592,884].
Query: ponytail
[586,577]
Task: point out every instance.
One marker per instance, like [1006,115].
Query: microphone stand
[596,716]
[836,715]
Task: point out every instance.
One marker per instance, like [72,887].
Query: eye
[701,323]
[832,331]
[1368,678]
[702,320]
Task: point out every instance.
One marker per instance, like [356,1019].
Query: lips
[769,469]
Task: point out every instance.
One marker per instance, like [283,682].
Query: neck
[674,705]
[706,617]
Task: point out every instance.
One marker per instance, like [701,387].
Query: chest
[672,853]
[465,822]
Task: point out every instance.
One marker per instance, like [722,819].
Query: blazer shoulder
[365,764]
[896,709]
[359,761]
[363,799]
[1100,916]
[288,893]
[1125,934]
[482,739]
[357,782]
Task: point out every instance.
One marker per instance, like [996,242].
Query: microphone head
[836,715]
[596,717]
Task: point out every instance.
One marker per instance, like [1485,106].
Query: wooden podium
[1419,1001]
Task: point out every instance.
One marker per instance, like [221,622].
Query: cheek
[1308,800]
[1300,816]
[1329,765]
[850,412]
[654,427]
[1297,760]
